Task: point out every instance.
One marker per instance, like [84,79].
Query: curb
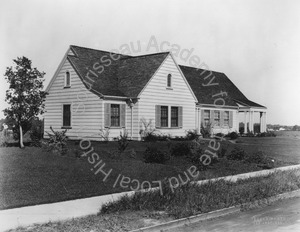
[217,213]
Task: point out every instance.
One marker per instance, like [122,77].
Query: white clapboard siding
[156,93]
[87,108]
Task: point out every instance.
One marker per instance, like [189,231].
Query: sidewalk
[24,216]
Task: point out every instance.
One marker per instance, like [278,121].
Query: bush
[250,134]
[36,132]
[219,135]
[180,149]
[236,154]
[152,137]
[191,135]
[153,155]
[205,130]
[267,134]
[122,142]
[233,135]
[57,141]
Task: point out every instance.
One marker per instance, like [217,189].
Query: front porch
[249,117]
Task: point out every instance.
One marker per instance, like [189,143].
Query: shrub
[153,155]
[219,135]
[267,134]
[104,134]
[123,141]
[250,134]
[57,141]
[205,130]
[191,135]
[180,149]
[232,135]
[236,154]
[36,132]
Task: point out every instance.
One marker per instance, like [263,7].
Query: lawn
[33,176]
[151,208]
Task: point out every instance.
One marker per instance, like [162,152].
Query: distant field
[288,133]
[284,147]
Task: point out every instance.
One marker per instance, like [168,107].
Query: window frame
[217,118]
[64,126]
[164,117]
[67,79]
[169,80]
[206,119]
[226,119]
[114,117]
[176,117]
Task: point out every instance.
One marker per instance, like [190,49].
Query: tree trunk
[21,137]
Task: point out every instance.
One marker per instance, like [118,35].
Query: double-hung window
[206,117]
[164,116]
[217,118]
[66,115]
[226,118]
[115,115]
[174,116]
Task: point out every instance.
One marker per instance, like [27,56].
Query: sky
[256,43]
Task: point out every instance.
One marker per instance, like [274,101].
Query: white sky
[255,43]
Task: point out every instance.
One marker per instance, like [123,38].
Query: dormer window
[169,81]
[68,79]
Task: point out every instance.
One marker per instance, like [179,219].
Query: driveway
[278,217]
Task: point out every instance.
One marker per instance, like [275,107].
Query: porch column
[251,124]
[261,122]
[265,121]
[245,123]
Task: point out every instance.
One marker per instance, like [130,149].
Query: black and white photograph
[149,115]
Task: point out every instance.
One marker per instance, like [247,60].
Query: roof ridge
[99,50]
[186,66]
[145,55]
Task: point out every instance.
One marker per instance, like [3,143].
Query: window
[115,115]
[226,118]
[66,115]
[169,80]
[174,116]
[68,79]
[164,116]
[217,118]
[206,117]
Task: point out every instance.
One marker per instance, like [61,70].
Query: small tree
[24,95]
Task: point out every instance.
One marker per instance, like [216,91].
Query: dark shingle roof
[204,94]
[125,77]
[128,75]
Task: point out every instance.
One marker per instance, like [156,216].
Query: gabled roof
[124,77]
[205,93]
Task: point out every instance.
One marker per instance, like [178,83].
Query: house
[93,90]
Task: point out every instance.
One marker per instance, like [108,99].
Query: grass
[33,176]
[192,199]
[150,208]
[101,223]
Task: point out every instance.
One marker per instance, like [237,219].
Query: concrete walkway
[25,216]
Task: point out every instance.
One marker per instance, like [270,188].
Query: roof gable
[207,92]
